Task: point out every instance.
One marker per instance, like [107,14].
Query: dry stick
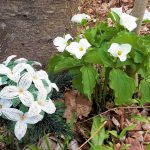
[112,109]
[93,135]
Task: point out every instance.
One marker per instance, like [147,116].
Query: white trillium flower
[38,76]
[22,120]
[4,103]
[14,73]
[7,61]
[79,17]
[61,42]
[146,15]
[21,91]
[126,20]
[78,49]
[42,104]
[120,50]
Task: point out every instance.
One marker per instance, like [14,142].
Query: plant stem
[105,86]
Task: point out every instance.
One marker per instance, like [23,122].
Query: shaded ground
[28,27]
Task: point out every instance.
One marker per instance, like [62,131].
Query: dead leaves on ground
[77,106]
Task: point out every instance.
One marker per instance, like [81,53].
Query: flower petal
[113,49]
[128,21]
[34,109]
[21,60]
[29,68]
[33,119]
[48,107]
[20,129]
[84,43]
[73,47]
[12,113]
[125,48]
[36,63]
[51,85]
[41,74]
[38,84]
[6,62]
[79,17]
[18,68]
[4,70]
[122,57]
[79,53]
[9,92]
[68,37]
[26,98]
[42,94]
[59,41]
[61,48]
[25,81]
[6,103]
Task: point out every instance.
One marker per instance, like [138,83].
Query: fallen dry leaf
[134,144]
[77,105]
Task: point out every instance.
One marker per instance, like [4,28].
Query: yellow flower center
[21,91]
[119,53]
[81,49]
[22,117]
[35,77]
[40,102]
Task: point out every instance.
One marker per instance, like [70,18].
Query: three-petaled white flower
[61,42]
[126,20]
[42,104]
[146,15]
[14,73]
[79,17]
[120,50]
[78,49]
[4,103]
[21,91]
[22,120]
[38,76]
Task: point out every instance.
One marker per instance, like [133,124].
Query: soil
[28,27]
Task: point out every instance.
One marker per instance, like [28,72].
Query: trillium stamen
[40,102]
[35,78]
[22,117]
[81,49]
[119,53]
[21,91]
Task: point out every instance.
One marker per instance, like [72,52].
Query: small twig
[93,135]
[112,109]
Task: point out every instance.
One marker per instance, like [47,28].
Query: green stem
[105,86]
